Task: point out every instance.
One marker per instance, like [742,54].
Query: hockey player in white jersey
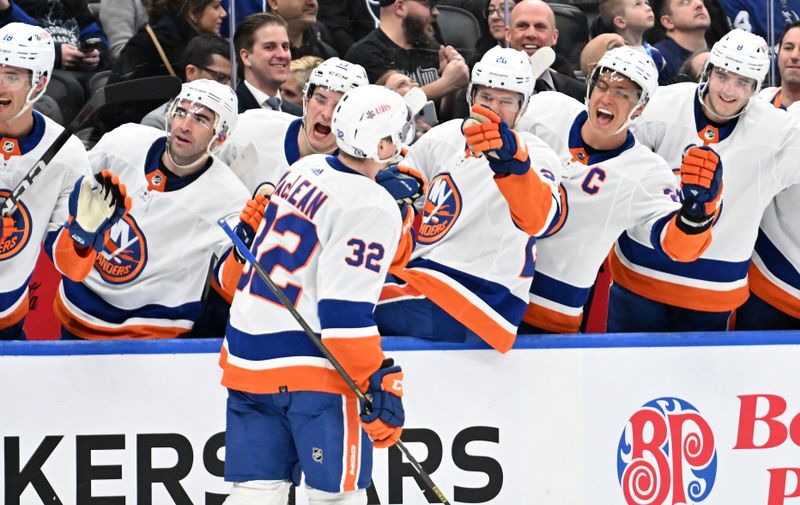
[491,192]
[144,277]
[774,276]
[611,182]
[759,147]
[329,236]
[279,138]
[26,65]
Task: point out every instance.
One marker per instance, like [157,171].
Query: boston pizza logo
[13,240]
[124,254]
[666,455]
[442,208]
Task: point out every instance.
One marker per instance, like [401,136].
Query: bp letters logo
[666,455]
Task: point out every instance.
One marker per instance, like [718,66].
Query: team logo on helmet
[442,208]
[124,254]
[16,240]
[666,455]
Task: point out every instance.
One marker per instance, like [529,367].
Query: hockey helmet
[367,114]
[741,52]
[30,47]
[211,94]
[503,68]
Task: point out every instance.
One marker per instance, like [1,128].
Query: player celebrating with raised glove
[491,192]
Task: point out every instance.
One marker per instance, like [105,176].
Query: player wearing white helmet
[26,65]
[144,276]
[280,139]
[345,230]
[472,266]
[610,183]
[706,125]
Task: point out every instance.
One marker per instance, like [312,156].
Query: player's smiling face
[317,119]
[14,86]
[191,131]
[613,98]
[728,93]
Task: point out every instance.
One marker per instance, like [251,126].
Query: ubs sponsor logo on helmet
[442,208]
[666,455]
[124,254]
[14,240]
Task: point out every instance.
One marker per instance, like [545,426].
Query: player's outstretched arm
[406,185]
[384,421]
[93,211]
[530,198]
[688,234]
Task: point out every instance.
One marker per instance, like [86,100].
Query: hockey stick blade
[162,87]
[541,60]
[248,255]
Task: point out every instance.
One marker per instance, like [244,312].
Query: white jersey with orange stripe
[775,271]
[328,237]
[149,279]
[604,193]
[42,209]
[273,135]
[772,95]
[759,152]
[473,258]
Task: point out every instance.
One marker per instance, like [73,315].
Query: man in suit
[533,25]
[262,43]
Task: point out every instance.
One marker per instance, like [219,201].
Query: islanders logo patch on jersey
[442,208]
[14,240]
[125,253]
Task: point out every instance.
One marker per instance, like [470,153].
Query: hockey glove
[405,184]
[7,227]
[384,421]
[93,211]
[701,188]
[486,132]
[251,217]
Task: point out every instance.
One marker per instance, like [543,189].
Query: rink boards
[605,419]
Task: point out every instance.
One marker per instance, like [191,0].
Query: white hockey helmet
[30,47]
[635,65]
[367,114]
[741,52]
[211,94]
[337,75]
[503,68]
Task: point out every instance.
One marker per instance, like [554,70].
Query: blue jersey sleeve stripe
[84,298]
[776,262]
[558,291]
[345,314]
[9,298]
[265,346]
[702,269]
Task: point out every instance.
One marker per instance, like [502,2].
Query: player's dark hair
[245,35]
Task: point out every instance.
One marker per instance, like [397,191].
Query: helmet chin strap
[29,101]
[308,142]
[202,159]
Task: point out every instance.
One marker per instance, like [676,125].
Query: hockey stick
[160,87]
[541,60]
[248,255]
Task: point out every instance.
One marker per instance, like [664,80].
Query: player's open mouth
[321,130]
[5,102]
[604,117]
[182,140]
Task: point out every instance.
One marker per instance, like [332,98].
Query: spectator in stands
[493,31]
[686,22]
[402,84]
[789,68]
[347,22]
[13,13]
[692,68]
[206,57]
[754,16]
[533,25]
[404,41]
[630,19]
[304,29]
[262,44]
[299,70]
[120,20]
[596,48]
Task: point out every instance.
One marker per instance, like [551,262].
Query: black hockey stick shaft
[160,87]
[248,255]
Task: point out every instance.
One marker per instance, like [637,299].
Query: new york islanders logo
[666,455]
[442,208]
[13,239]
[125,253]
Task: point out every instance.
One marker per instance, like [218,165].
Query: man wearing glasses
[206,57]
[759,146]
[404,41]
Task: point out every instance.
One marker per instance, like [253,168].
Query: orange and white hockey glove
[701,189]
[383,420]
[251,217]
[486,132]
